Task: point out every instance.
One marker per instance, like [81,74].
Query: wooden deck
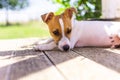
[79,64]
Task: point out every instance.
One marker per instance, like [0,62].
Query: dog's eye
[56,32]
[68,31]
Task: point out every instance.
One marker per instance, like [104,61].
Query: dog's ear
[47,17]
[69,12]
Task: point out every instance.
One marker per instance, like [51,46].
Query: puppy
[68,33]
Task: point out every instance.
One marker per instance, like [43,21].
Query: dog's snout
[66,47]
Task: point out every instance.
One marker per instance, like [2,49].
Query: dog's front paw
[38,48]
[42,47]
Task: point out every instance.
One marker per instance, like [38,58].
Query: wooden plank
[13,44]
[76,67]
[104,56]
[5,61]
[68,63]
[101,63]
[31,65]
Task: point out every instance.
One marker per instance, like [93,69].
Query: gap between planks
[54,65]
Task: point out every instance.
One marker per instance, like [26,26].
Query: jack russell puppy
[68,33]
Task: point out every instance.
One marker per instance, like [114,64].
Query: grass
[31,29]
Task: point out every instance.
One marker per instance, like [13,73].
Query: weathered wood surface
[79,64]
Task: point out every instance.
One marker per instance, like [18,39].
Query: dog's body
[94,33]
[72,33]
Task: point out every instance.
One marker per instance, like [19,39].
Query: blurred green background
[21,18]
[28,30]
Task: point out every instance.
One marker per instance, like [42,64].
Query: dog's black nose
[66,47]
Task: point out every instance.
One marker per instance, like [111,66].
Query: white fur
[49,45]
[87,33]
[93,33]
[64,40]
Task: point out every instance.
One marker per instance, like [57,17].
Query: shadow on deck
[80,64]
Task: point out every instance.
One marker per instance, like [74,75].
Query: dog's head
[60,27]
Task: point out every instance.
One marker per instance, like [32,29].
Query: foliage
[86,8]
[13,4]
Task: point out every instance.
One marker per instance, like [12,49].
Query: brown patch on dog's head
[67,15]
[69,12]
[53,24]
[47,17]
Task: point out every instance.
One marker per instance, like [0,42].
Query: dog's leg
[44,41]
[48,45]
